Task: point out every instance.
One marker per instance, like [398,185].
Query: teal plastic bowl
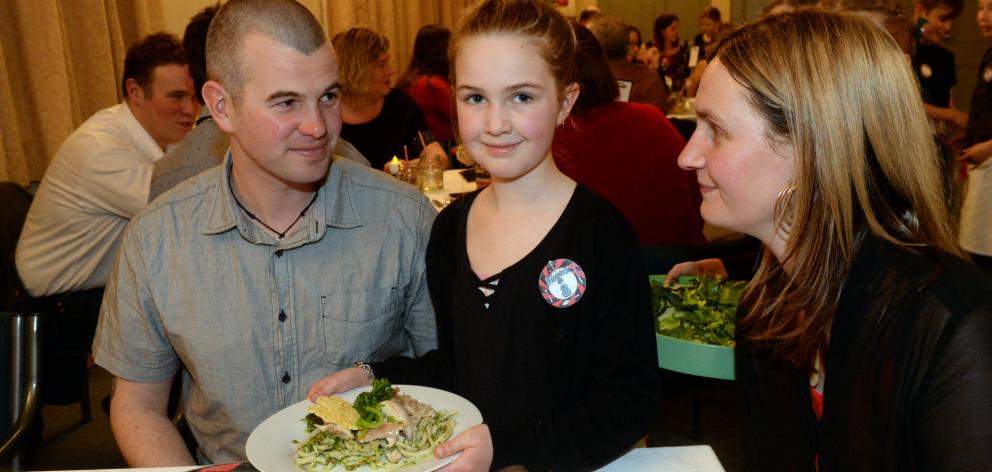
[688,357]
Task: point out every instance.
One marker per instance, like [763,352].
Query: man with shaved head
[260,276]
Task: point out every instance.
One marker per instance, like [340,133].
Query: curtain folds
[60,62]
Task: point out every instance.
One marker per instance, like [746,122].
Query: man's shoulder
[373,185]
[182,200]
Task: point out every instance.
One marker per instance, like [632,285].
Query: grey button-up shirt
[253,321]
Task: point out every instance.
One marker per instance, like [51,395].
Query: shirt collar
[334,207]
[139,135]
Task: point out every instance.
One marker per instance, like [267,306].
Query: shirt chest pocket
[363,325]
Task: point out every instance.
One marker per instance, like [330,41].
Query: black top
[979,127]
[908,375]
[562,388]
[396,125]
[702,44]
[934,68]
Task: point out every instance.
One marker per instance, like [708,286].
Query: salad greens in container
[695,308]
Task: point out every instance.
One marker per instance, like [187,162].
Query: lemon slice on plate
[337,410]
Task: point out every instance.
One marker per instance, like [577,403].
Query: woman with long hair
[426,79]
[669,55]
[864,339]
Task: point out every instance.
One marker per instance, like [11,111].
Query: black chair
[15,201]
[22,369]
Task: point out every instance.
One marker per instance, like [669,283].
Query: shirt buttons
[286,378]
[282,315]
[279,253]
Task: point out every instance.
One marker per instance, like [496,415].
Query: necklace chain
[251,215]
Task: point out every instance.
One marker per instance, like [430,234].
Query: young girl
[543,306]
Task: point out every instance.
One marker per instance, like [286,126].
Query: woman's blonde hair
[841,93]
[357,49]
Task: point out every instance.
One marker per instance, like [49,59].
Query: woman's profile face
[740,173]
[380,75]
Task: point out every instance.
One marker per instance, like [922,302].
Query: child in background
[543,305]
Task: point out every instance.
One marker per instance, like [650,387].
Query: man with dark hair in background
[259,276]
[96,182]
[206,145]
[642,83]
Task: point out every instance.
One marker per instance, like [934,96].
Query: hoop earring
[784,206]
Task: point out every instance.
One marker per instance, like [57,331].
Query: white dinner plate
[270,446]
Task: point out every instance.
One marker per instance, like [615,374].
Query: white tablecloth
[682,459]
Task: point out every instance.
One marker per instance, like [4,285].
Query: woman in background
[668,55]
[377,119]
[865,341]
[628,152]
[426,79]
[710,23]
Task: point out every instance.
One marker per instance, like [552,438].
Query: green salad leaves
[368,404]
[697,308]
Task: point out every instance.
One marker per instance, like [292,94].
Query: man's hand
[476,446]
[142,428]
[701,267]
[977,154]
[340,381]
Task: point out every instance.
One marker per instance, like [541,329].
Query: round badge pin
[562,283]
[926,71]
[987,74]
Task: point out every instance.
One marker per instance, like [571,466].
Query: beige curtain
[399,20]
[60,62]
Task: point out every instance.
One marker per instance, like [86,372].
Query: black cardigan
[908,375]
[560,389]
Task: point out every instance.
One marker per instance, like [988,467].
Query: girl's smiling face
[508,103]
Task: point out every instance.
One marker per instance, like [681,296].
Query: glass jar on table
[430,173]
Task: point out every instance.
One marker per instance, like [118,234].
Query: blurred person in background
[865,340]
[976,213]
[668,55]
[97,181]
[934,64]
[426,79]
[587,14]
[378,119]
[710,24]
[628,152]
[644,84]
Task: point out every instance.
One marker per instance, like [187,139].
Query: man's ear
[568,98]
[135,92]
[216,98]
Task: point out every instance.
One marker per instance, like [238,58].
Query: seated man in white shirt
[97,180]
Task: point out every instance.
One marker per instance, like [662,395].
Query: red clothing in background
[627,153]
[433,95]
